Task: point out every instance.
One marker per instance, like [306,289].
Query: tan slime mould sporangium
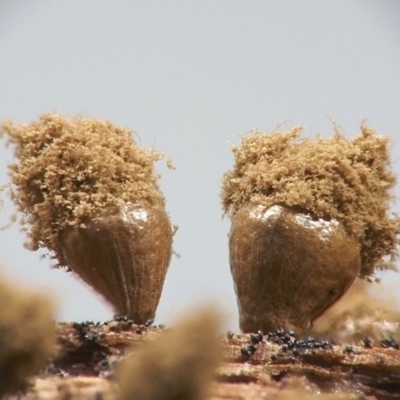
[89,194]
[308,217]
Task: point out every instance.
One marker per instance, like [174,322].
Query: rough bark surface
[275,365]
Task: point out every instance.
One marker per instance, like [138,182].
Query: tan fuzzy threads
[27,336]
[334,178]
[179,365]
[70,171]
[308,217]
[89,194]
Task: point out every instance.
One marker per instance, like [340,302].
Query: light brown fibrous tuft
[360,313]
[27,336]
[177,366]
[73,170]
[334,178]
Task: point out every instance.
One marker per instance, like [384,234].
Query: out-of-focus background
[191,77]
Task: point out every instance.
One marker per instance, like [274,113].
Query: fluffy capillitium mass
[362,314]
[177,366]
[72,170]
[27,336]
[334,178]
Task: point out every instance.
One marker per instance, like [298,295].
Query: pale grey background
[191,76]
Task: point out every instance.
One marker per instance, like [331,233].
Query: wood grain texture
[277,365]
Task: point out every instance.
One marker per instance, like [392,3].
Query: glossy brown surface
[124,257]
[288,268]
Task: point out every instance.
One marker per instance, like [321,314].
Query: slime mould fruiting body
[27,336]
[308,217]
[90,195]
[178,365]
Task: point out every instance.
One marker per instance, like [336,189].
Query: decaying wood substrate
[275,365]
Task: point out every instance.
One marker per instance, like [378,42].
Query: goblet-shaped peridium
[124,256]
[288,266]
